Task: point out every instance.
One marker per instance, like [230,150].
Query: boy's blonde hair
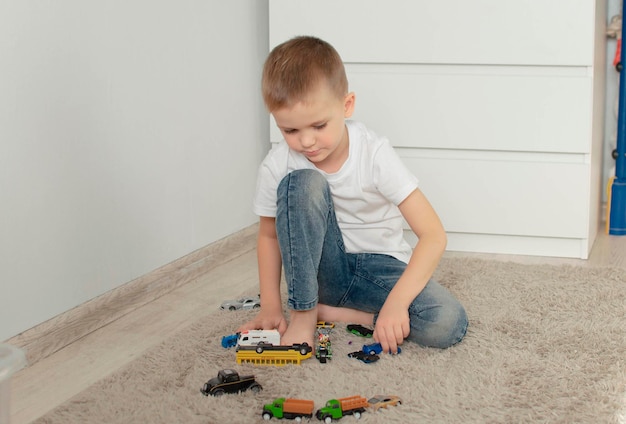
[296,67]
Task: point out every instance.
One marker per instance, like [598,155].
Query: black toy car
[229,381]
[359,330]
[368,358]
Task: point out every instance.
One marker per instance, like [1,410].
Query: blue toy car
[375,348]
[230,340]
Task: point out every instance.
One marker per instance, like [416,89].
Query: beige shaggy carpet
[546,344]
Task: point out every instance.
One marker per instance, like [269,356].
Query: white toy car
[256,337]
[243,303]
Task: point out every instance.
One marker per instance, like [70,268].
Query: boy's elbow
[442,241]
[437,241]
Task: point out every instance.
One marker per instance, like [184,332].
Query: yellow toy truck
[267,354]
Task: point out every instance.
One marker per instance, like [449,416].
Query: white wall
[130,135]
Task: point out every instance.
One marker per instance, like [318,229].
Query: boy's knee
[304,186]
[445,327]
[304,178]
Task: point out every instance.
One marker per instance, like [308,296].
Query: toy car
[243,303]
[359,330]
[230,340]
[375,348]
[229,381]
[255,337]
[367,358]
[381,401]
[324,324]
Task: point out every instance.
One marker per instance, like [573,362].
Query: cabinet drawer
[478,110]
[521,32]
[533,109]
[506,197]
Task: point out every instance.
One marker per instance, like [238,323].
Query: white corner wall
[130,135]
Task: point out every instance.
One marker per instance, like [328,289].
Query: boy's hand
[392,327]
[266,321]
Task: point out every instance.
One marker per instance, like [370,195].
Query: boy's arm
[270,265]
[392,325]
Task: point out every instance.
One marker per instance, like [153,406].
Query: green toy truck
[335,409]
[289,408]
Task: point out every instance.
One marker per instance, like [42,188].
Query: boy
[331,199]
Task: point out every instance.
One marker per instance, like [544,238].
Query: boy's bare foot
[336,314]
[301,328]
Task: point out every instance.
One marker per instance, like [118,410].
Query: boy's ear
[348,104]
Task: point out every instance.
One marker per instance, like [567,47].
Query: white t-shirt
[366,191]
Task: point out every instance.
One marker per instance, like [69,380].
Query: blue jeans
[318,269]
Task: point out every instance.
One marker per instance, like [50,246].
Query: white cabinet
[496,105]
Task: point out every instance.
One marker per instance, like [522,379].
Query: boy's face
[315,127]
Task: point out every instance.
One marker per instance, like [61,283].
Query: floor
[51,381]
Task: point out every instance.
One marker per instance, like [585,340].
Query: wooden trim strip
[49,337]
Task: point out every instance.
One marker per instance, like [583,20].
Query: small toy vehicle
[255,337]
[230,340]
[243,303]
[367,358]
[229,381]
[303,348]
[382,401]
[375,348]
[267,354]
[289,408]
[359,330]
[323,355]
[335,409]
[324,324]
[323,352]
